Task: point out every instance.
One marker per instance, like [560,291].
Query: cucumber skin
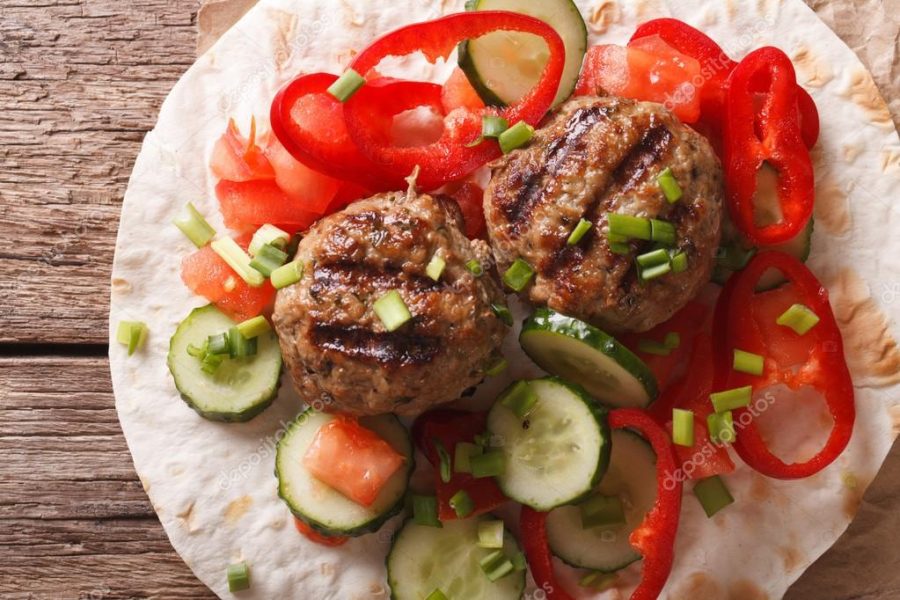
[220,417]
[720,275]
[547,320]
[370,527]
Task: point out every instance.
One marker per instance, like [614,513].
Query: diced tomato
[236,158]
[352,459]
[470,199]
[459,93]
[704,459]
[315,536]
[311,189]
[248,205]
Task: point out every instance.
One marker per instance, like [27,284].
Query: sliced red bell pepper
[452,156]
[314,536]
[451,427]
[769,134]
[824,369]
[533,530]
[470,199]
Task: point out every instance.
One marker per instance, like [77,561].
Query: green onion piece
[462,504]
[578,233]
[493,127]
[798,317]
[632,228]
[445,468]
[230,284]
[683,427]
[620,248]
[733,257]
[489,464]
[613,238]
[254,327]
[437,595]
[518,275]
[747,362]
[490,534]
[132,334]
[653,347]
[197,351]
[669,186]
[501,571]
[392,311]
[598,581]
[475,268]
[520,399]
[239,346]
[662,232]
[288,274]
[211,363]
[495,565]
[463,454]
[346,85]
[425,511]
[497,367]
[731,399]
[602,511]
[679,263]
[721,427]
[649,273]
[268,235]
[268,258]
[238,577]
[238,260]
[515,137]
[653,259]
[503,314]
[483,440]
[672,341]
[218,344]
[713,495]
[519,562]
[435,267]
[194,226]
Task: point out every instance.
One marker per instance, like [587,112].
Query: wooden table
[81,82]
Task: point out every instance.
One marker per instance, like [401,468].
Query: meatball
[597,156]
[336,348]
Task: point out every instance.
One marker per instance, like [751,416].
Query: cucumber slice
[504,66]
[323,508]
[241,388]
[799,247]
[424,559]
[631,477]
[559,452]
[581,353]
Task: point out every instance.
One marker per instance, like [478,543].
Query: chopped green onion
[254,327]
[713,495]
[288,274]
[475,268]
[496,566]
[632,228]
[520,399]
[649,273]
[238,260]
[238,577]
[268,258]
[346,85]
[620,248]
[268,235]
[602,511]
[490,534]
[515,137]
[132,334]
[483,440]
[493,127]
[669,186]
[683,427]
[613,238]
[598,581]
[732,399]
[463,454]
[721,427]
[462,504]
[673,340]
[519,562]
[679,263]
[230,284]
[211,363]
[497,367]
[662,232]
[197,351]
[518,275]
[425,511]
[437,595]
[445,467]
[489,464]
[653,259]
[747,362]
[435,267]
[653,347]
[194,226]
[800,318]
[503,314]
[578,233]
[239,346]
[218,344]
[392,311]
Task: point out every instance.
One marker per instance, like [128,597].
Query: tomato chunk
[470,199]
[310,189]
[315,536]
[248,205]
[236,158]
[459,93]
[352,459]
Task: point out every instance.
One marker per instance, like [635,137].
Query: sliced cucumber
[734,244]
[424,559]
[581,353]
[632,478]
[241,388]
[504,66]
[559,452]
[322,507]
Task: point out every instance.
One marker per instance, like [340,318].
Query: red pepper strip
[533,527]
[825,368]
[769,134]
[654,538]
[451,427]
[451,157]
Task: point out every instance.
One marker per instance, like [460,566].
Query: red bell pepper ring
[767,134]
[825,368]
[533,528]
[452,156]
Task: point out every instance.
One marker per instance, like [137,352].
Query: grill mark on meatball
[390,350]
[343,276]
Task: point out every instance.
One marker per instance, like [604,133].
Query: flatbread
[212,484]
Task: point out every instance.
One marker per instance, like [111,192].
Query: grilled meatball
[595,156]
[336,348]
